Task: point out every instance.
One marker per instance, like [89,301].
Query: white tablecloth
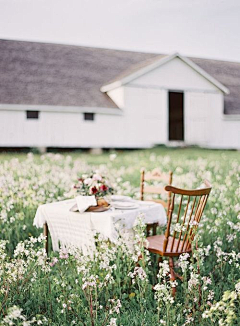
[78,229]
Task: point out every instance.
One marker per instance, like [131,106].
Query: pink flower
[88,181]
[63,255]
[97,177]
[103,188]
[54,261]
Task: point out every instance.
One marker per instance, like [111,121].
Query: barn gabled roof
[132,75]
[34,73]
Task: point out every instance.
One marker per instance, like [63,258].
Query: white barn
[76,97]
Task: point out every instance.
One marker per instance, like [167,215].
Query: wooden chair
[184,215]
[155,176]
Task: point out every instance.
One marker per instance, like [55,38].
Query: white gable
[176,72]
[175,75]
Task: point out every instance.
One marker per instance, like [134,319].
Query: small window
[32,114]
[89,116]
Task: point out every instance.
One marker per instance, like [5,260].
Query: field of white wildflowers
[110,287]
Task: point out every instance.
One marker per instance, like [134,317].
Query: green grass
[27,181]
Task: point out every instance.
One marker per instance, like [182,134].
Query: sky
[199,28]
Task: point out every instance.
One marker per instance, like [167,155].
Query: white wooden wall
[144,118]
[140,126]
[203,116]
[146,106]
[230,134]
[55,129]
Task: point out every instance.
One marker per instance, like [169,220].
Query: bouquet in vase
[96,185]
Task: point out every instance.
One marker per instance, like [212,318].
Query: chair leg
[172,275]
[178,276]
[151,227]
[159,260]
[45,233]
[139,258]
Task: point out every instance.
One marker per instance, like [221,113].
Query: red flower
[103,188]
[94,190]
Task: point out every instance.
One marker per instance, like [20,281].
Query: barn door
[176,117]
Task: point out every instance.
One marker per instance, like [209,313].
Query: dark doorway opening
[176,116]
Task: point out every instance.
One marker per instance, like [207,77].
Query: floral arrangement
[93,184]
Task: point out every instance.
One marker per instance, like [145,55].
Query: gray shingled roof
[63,75]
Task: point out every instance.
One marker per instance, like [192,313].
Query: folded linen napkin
[83,203]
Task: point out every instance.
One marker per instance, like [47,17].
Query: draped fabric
[78,229]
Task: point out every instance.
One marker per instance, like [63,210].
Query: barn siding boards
[63,82]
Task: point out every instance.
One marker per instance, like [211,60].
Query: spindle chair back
[153,183]
[184,214]
[160,180]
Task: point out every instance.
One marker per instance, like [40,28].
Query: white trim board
[158,63]
[195,90]
[60,109]
[231,117]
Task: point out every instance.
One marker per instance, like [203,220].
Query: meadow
[110,288]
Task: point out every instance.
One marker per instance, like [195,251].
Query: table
[78,229]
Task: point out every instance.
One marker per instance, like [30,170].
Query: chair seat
[155,245]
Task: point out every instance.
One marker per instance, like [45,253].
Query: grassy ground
[27,181]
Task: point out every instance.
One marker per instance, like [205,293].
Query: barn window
[32,114]
[89,116]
